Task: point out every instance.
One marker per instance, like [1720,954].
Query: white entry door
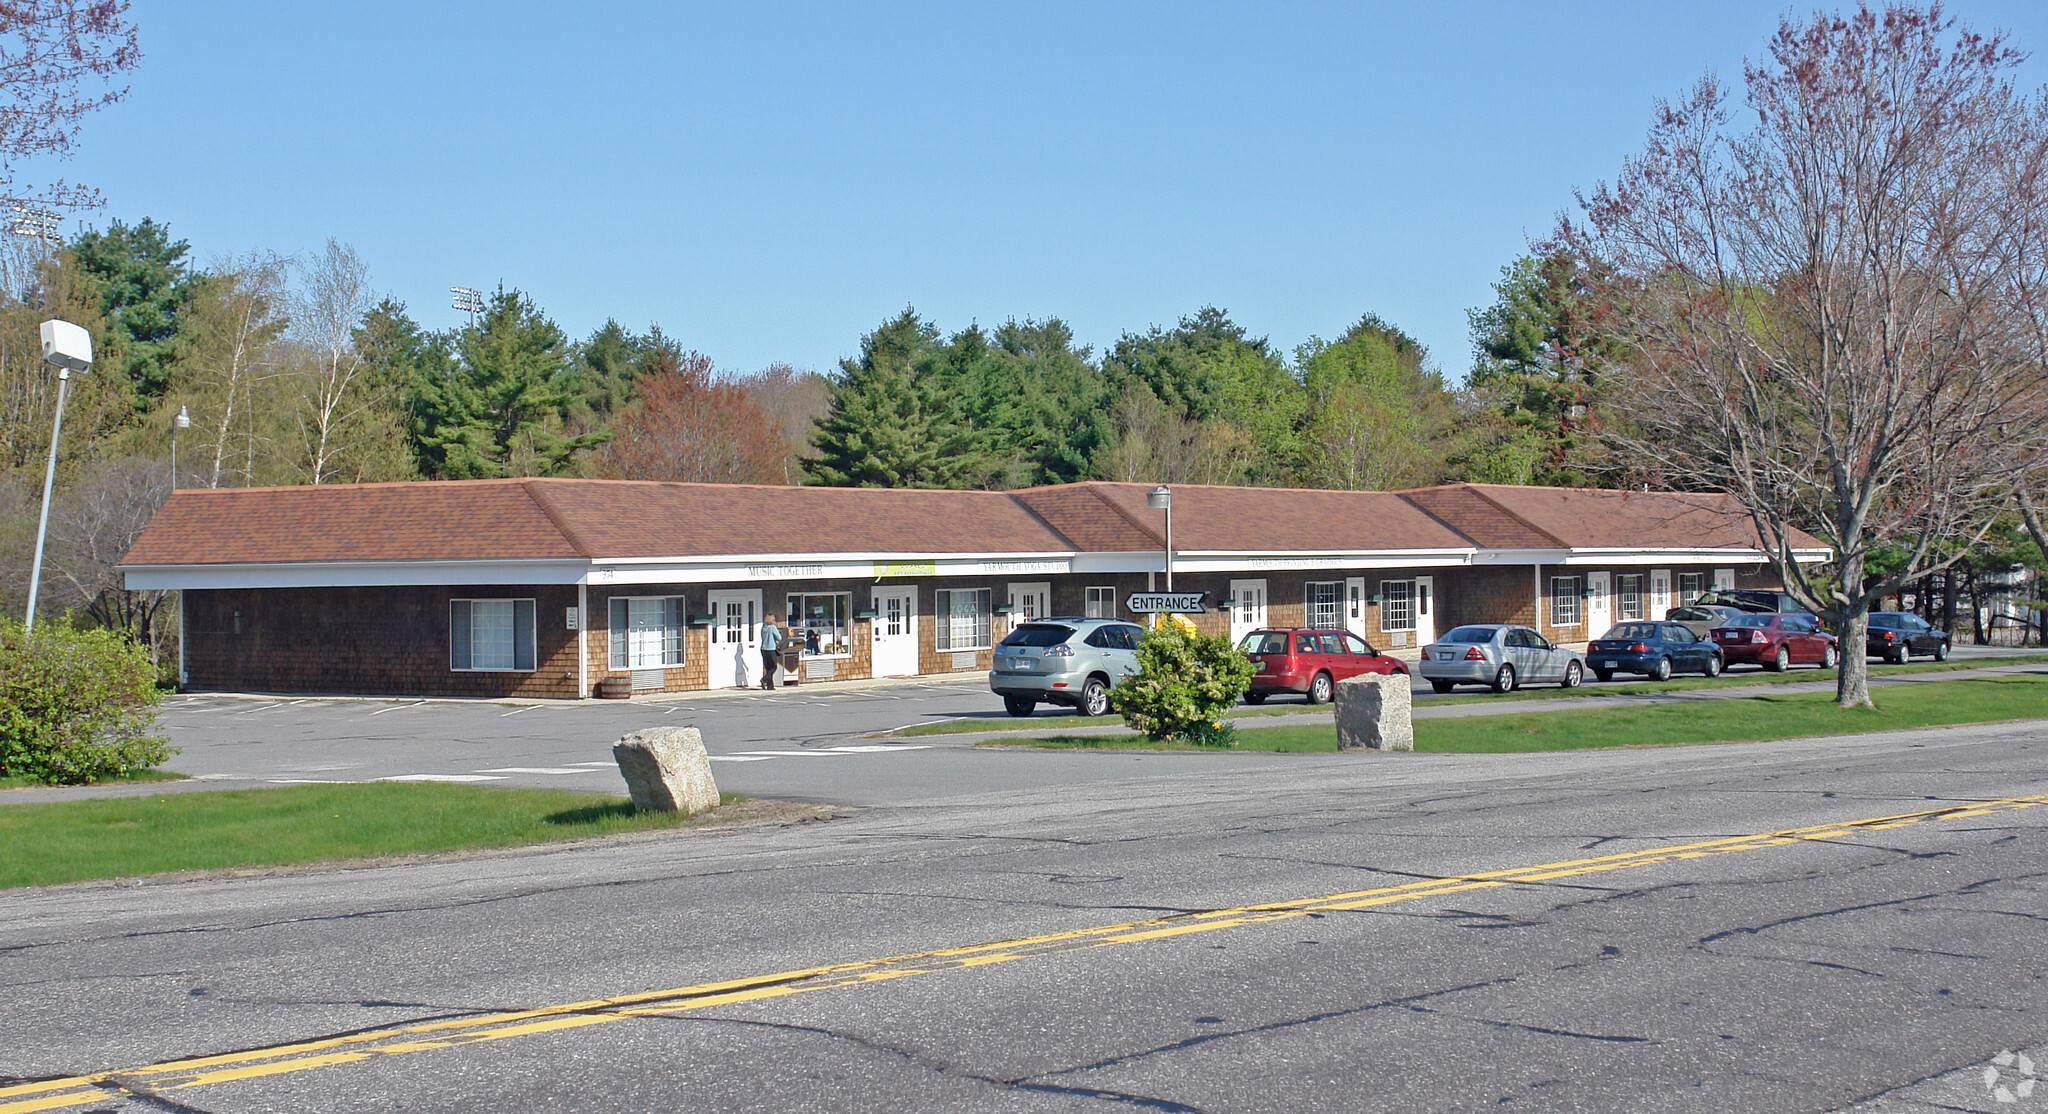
[1599,611]
[1660,593]
[1724,578]
[1029,602]
[895,632]
[1354,606]
[1248,613]
[1425,610]
[735,639]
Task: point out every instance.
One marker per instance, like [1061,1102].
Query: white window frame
[1692,585]
[1322,604]
[463,617]
[956,628]
[1397,606]
[1101,602]
[623,654]
[1628,597]
[798,616]
[1567,606]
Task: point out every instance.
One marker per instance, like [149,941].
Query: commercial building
[546,587]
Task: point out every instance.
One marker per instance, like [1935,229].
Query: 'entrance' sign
[1179,603]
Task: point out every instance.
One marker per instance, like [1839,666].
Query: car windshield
[1471,634]
[1885,621]
[1264,642]
[1632,630]
[1038,634]
[1696,614]
[1748,620]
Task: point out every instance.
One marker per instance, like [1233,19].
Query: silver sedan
[1499,655]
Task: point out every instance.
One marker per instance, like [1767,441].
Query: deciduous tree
[690,424]
[1831,301]
[58,60]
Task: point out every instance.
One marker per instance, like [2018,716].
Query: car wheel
[1094,697]
[1441,687]
[1662,670]
[1782,661]
[1897,655]
[1828,658]
[1019,705]
[1255,698]
[1319,689]
[1573,675]
[1504,681]
[1941,651]
[1713,665]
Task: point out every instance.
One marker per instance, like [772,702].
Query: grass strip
[134,775]
[1682,683]
[115,837]
[1737,719]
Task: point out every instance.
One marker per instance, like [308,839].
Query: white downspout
[583,637]
[184,678]
[1536,601]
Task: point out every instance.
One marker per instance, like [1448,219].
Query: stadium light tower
[468,300]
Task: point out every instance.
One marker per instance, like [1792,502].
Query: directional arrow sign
[1153,603]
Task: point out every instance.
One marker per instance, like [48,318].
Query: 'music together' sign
[1179,603]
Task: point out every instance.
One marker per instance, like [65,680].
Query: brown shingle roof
[538,519]
[1588,518]
[1240,519]
[627,518]
[474,520]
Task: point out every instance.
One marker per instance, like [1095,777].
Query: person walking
[771,652]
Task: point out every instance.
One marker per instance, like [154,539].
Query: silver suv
[1074,662]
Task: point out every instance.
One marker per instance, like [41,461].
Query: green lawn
[1289,706]
[65,841]
[1736,719]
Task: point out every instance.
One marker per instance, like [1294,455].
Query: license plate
[1023,664]
[1607,665]
[1445,656]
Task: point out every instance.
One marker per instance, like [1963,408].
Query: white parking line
[536,770]
[877,748]
[516,711]
[440,777]
[398,708]
[739,757]
[605,765]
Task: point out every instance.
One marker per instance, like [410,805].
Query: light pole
[467,299]
[67,348]
[182,421]
[1161,499]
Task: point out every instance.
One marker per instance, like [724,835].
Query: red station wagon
[1774,641]
[1310,662]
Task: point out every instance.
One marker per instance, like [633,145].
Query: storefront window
[962,619]
[818,623]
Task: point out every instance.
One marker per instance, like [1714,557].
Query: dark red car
[1775,641]
[1310,662]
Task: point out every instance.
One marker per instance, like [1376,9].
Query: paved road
[1801,925]
[806,743]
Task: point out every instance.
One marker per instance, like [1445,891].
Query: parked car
[1700,618]
[1500,655]
[1775,641]
[1074,662]
[1655,650]
[1310,662]
[1896,636]
[1760,600]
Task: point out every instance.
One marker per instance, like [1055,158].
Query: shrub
[75,706]
[1185,682]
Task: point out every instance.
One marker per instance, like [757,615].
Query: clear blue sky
[769,182]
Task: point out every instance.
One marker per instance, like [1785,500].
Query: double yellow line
[201,1071]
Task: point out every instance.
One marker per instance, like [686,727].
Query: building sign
[906,568]
[1179,603]
[785,572]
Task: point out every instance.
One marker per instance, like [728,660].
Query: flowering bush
[1185,682]
[75,706]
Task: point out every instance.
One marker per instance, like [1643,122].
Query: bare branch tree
[238,316]
[333,297]
[93,524]
[50,52]
[1836,315]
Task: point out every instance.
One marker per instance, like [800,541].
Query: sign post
[1178,603]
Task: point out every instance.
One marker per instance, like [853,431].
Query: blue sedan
[1655,650]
